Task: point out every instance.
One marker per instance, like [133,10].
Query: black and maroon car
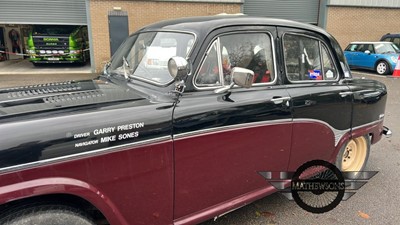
[184,117]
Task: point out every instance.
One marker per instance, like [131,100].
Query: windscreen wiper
[125,65]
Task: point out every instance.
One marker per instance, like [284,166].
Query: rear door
[222,141]
[321,104]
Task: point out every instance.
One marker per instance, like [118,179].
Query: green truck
[58,44]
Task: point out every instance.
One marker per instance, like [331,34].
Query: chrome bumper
[387,132]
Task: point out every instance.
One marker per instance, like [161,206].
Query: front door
[222,141]
[321,104]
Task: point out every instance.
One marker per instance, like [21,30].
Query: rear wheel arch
[353,155]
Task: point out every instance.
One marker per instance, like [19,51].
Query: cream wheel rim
[354,154]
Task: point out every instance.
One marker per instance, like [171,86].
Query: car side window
[396,41]
[370,48]
[352,47]
[252,51]
[361,48]
[307,59]
[329,71]
[387,39]
[208,75]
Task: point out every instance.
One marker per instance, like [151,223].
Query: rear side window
[396,41]
[307,59]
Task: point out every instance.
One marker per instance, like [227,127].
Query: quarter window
[307,59]
[252,51]
[396,41]
[208,74]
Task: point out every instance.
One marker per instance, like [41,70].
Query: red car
[180,141]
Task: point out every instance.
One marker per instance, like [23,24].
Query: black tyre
[50,214]
[382,68]
[353,156]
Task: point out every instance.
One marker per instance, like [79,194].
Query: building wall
[141,13]
[349,24]
[369,3]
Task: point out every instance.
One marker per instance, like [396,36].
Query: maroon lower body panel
[311,140]
[374,129]
[219,169]
[132,186]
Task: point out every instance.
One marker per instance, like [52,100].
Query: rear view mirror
[367,52]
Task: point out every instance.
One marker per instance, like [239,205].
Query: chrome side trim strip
[231,127]
[368,124]
[338,134]
[85,154]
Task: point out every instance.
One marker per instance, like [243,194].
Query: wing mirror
[178,68]
[367,52]
[241,77]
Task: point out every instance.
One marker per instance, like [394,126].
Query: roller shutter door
[299,10]
[61,12]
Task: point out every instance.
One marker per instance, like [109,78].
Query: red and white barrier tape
[40,55]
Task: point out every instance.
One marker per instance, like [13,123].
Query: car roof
[391,35]
[206,24]
[370,42]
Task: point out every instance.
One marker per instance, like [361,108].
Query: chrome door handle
[280,100]
[345,93]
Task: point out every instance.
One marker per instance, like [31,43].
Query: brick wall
[141,13]
[349,24]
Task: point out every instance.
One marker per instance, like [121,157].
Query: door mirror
[367,52]
[241,77]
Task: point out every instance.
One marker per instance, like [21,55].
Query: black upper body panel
[60,119]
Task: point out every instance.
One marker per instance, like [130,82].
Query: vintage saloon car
[179,137]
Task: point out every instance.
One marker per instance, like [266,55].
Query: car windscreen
[386,48]
[53,30]
[145,55]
